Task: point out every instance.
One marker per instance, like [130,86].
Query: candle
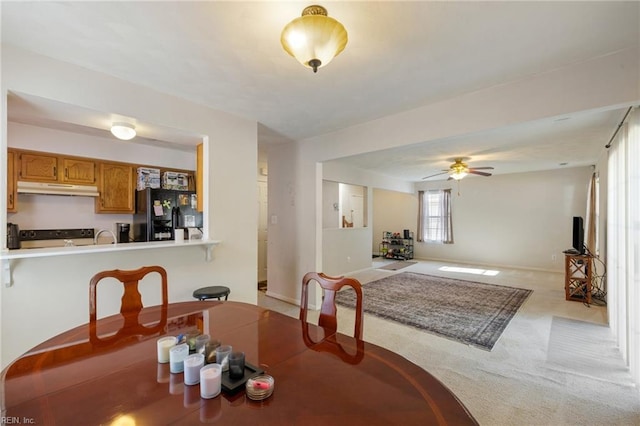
[164,345]
[201,341]
[191,339]
[192,365]
[210,381]
[177,354]
[222,356]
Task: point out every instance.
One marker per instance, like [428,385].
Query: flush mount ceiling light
[314,39]
[124,131]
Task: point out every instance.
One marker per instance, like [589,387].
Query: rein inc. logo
[16,420]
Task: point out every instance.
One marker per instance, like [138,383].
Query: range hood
[57,189]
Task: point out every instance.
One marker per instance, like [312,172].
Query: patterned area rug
[469,312]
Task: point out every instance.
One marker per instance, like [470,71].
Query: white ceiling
[400,55]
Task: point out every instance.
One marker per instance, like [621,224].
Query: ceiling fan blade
[480,168]
[475,172]
[437,174]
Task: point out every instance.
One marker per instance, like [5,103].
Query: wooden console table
[578,277]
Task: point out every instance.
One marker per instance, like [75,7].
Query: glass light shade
[458,175]
[314,37]
[124,131]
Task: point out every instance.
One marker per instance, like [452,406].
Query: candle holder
[177,354]
[164,344]
[210,381]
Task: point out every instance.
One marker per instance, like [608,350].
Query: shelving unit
[578,277]
[394,245]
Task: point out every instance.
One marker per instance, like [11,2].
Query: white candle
[210,381]
[192,365]
[164,345]
[177,354]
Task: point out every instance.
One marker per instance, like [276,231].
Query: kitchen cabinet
[11,182]
[38,167]
[117,184]
[80,171]
[43,167]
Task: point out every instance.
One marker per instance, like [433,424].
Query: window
[434,220]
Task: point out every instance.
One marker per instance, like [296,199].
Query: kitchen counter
[7,255]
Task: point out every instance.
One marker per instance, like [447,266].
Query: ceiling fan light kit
[459,170]
[314,38]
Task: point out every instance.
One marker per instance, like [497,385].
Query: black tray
[233,385]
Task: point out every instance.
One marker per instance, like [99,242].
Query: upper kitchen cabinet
[11,182]
[79,171]
[38,167]
[43,167]
[116,183]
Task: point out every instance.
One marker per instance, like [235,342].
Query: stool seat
[213,292]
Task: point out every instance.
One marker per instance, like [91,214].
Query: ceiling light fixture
[124,131]
[314,39]
[459,171]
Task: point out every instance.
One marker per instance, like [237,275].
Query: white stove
[43,238]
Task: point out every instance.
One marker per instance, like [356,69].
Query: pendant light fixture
[314,38]
[124,131]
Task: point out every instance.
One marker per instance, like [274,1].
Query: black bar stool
[213,292]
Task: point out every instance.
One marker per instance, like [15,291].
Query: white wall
[50,295]
[603,82]
[393,212]
[521,220]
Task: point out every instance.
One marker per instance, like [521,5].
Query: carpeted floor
[397,265]
[515,383]
[586,349]
[469,312]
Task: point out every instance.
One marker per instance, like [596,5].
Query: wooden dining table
[320,377]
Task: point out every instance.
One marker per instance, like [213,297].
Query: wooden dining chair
[330,344]
[328,311]
[131,304]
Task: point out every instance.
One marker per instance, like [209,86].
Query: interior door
[357,210]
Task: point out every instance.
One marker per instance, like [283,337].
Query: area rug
[397,265]
[469,312]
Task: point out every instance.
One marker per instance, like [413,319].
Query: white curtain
[623,241]
[434,217]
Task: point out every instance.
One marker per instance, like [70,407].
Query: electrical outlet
[553,257]
[348,259]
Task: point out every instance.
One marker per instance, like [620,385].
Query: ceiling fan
[459,169]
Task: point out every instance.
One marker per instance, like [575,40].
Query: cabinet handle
[11,198]
[66,172]
[55,171]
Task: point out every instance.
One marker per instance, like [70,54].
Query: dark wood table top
[319,379]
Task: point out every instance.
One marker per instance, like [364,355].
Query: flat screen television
[578,234]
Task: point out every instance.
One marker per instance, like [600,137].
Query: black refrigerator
[160,212]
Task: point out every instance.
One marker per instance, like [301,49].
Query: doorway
[262,235]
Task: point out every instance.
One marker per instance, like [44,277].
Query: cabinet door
[117,186]
[11,182]
[38,167]
[78,171]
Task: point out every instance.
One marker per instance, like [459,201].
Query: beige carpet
[397,265]
[516,383]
